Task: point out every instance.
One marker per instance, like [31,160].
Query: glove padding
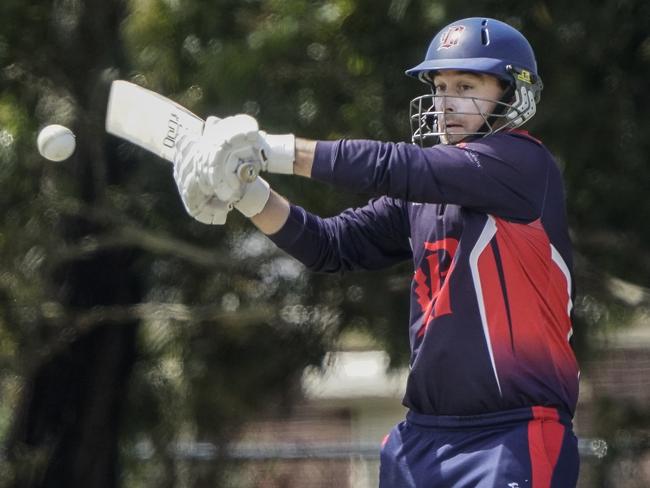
[200,201]
[279,153]
[206,169]
[256,194]
[240,138]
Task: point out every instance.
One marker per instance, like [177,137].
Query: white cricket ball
[56,142]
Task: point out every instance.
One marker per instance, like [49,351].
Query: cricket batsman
[477,205]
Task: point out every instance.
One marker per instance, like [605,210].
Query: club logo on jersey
[451,37]
[433,297]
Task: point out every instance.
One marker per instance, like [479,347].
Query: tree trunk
[66,431]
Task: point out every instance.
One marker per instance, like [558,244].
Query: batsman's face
[466,101]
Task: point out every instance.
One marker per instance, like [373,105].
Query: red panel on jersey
[526,258]
[495,310]
[539,297]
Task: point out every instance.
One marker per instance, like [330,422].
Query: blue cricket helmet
[478,44]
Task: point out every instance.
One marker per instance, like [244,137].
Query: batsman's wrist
[255,198]
[280,153]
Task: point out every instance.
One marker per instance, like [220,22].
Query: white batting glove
[279,153]
[238,139]
[210,173]
[240,135]
[255,196]
[193,154]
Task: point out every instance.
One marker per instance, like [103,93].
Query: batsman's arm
[274,215]
[504,174]
[305,150]
[370,237]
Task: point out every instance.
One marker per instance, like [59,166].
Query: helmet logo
[451,37]
[524,76]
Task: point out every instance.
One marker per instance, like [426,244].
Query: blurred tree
[66,422]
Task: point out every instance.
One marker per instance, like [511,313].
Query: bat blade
[148,119]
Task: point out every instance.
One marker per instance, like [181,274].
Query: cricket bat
[154,122]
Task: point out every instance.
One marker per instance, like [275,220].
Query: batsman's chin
[453,134]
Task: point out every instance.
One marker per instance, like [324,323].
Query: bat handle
[247,172]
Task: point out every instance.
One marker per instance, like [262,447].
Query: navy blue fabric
[484,225]
[503,174]
[482,451]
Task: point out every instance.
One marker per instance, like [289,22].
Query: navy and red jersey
[485,225]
